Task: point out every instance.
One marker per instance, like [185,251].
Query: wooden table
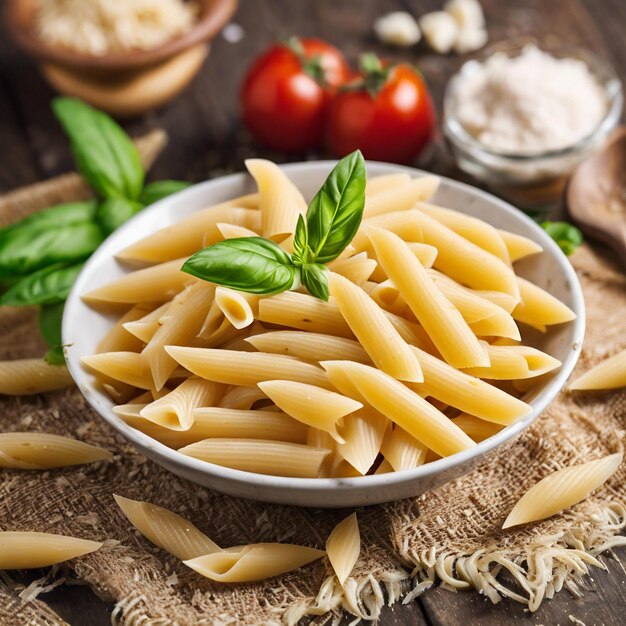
[206,140]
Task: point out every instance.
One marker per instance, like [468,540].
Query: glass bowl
[537,179]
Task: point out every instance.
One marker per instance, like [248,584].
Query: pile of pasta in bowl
[371,332]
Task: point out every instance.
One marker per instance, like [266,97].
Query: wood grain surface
[206,140]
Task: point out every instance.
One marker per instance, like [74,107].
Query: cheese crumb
[470,21]
[440,31]
[397,29]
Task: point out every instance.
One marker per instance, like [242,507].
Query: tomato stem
[312,66]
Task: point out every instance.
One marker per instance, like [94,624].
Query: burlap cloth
[450,534]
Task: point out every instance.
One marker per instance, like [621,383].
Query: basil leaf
[335,213]
[26,250]
[47,286]
[58,215]
[50,318]
[251,264]
[161,189]
[55,356]
[104,153]
[567,236]
[301,251]
[113,212]
[315,280]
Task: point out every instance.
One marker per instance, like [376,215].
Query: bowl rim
[282,483]
[599,67]
[214,15]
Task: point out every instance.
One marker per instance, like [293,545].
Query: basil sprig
[566,235]
[260,266]
[160,189]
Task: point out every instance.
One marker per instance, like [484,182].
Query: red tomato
[388,115]
[286,93]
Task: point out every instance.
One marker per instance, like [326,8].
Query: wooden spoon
[596,194]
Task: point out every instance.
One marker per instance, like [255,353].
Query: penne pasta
[515,363]
[401,197]
[562,489]
[517,246]
[538,308]
[363,433]
[440,319]
[27,376]
[27,550]
[467,393]
[159,283]
[185,317]
[385,182]
[175,410]
[127,367]
[357,268]
[239,308]
[31,450]
[405,408]
[145,327]
[343,547]
[609,374]
[278,458]
[119,338]
[309,346]
[477,231]
[246,369]
[476,428]
[281,202]
[192,233]
[402,451]
[376,333]
[241,398]
[310,405]
[232,231]
[166,529]
[253,562]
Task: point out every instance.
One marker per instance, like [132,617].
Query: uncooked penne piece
[119,338]
[246,369]
[281,201]
[26,550]
[31,450]
[277,458]
[24,377]
[158,283]
[404,407]
[176,409]
[402,197]
[127,367]
[343,547]
[363,433]
[253,562]
[241,397]
[145,327]
[609,374]
[475,230]
[309,346]
[376,333]
[357,268]
[515,363]
[562,489]
[310,405]
[233,231]
[385,182]
[538,308]
[166,529]
[477,429]
[402,451]
[239,308]
[464,261]
[469,394]
[185,317]
[192,233]
[438,316]
[517,246]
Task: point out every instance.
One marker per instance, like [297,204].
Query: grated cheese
[98,27]
[530,103]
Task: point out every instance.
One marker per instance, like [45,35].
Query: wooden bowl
[20,17]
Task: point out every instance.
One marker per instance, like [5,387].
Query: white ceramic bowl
[83,327]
